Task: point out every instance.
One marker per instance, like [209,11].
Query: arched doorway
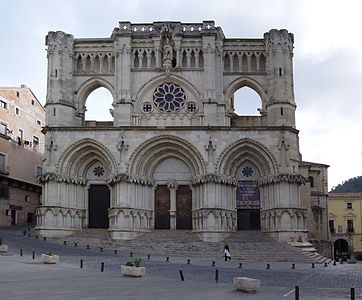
[246,102]
[173,196]
[248,197]
[341,249]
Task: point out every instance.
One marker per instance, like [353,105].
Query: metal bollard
[33,254]
[36,237]
[213,263]
[148,256]
[21,252]
[100,249]
[24,232]
[88,247]
[217,275]
[167,259]
[293,266]
[334,263]
[29,235]
[313,266]
[240,265]
[65,242]
[44,238]
[188,261]
[325,264]
[131,254]
[267,266]
[296,291]
[353,294]
[81,263]
[75,244]
[102,266]
[115,251]
[182,275]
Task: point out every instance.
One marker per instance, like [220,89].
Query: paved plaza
[23,277]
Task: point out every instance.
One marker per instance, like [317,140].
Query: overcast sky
[327,55]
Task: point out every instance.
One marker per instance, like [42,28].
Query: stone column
[172,186]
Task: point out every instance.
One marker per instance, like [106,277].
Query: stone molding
[56,210]
[61,178]
[137,179]
[289,178]
[222,179]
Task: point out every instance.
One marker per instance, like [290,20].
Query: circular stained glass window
[169,97]
[98,171]
[247,171]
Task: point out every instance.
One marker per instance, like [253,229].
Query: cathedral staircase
[250,245]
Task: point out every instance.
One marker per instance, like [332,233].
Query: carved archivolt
[236,153]
[289,178]
[149,154]
[60,178]
[216,179]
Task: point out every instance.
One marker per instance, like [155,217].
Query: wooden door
[162,207]
[183,207]
[98,204]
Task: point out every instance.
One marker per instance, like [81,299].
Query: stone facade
[21,154]
[176,155]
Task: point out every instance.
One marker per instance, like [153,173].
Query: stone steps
[244,245]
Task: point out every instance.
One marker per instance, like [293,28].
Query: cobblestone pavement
[23,277]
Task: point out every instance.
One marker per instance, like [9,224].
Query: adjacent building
[177,156]
[345,223]
[21,154]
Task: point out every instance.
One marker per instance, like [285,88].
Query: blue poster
[247,195]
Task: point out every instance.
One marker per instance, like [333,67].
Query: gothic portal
[177,155]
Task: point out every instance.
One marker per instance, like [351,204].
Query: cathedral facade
[176,156]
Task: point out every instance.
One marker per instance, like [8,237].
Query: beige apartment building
[21,154]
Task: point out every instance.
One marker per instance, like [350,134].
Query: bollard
[296,290]
[217,275]
[21,252]
[267,266]
[81,263]
[115,251]
[29,235]
[325,264]
[334,263]
[44,238]
[88,247]
[313,266]
[353,294]
[102,266]
[24,232]
[182,275]
[36,237]
[33,254]
[131,254]
[213,263]
[240,265]
[148,256]
[65,242]
[100,249]
[75,244]
[188,261]
[28,228]
[293,266]
[167,259]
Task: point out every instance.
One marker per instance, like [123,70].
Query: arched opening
[99,105]
[173,196]
[341,249]
[246,102]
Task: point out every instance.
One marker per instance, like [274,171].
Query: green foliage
[353,185]
[129,264]
[138,262]
[49,253]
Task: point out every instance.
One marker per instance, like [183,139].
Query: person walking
[227,254]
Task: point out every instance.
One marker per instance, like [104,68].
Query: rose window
[247,171]
[98,171]
[191,107]
[169,97]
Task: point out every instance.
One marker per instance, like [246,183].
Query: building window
[17,94]
[27,198]
[39,171]
[3,104]
[191,107]
[35,141]
[349,205]
[331,226]
[17,111]
[311,181]
[350,226]
[38,122]
[32,102]
[2,163]
[147,107]
[3,128]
